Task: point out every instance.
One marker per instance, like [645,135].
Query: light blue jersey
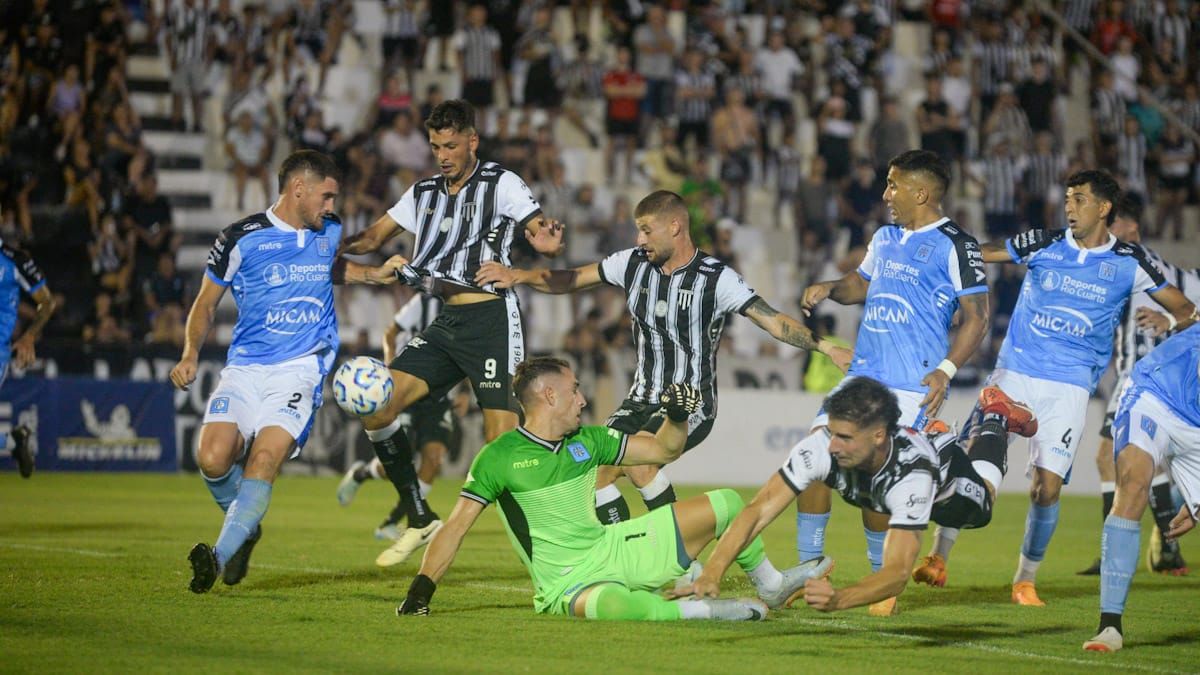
[1070,304]
[1172,373]
[17,273]
[915,280]
[283,287]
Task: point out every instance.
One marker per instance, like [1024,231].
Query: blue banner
[92,425]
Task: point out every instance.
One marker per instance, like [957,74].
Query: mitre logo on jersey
[885,309]
[1062,320]
[288,317]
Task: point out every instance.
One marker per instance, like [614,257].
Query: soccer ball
[362,386]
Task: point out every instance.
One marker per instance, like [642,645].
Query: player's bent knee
[726,505]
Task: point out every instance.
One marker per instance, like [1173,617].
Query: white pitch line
[59,549]
[291,568]
[969,644]
[498,587]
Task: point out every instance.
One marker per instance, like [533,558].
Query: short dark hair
[529,370]
[660,202]
[864,402]
[1129,207]
[319,163]
[926,162]
[454,114]
[1103,185]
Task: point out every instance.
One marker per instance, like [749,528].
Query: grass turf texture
[93,577]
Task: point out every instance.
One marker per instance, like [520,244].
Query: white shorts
[912,413]
[1145,421]
[254,397]
[1061,410]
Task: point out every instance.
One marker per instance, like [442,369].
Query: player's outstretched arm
[199,321]
[995,252]
[23,347]
[370,239]
[389,341]
[770,501]
[679,401]
[439,555]
[975,317]
[851,289]
[350,272]
[556,282]
[1181,312]
[900,550]
[787,329]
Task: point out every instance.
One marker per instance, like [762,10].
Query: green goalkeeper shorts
[641,554]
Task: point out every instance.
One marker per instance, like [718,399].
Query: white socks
[765,577]
[606,494]
[424,488]
[655,487]
[384,433]
[943,541]
[1026,570]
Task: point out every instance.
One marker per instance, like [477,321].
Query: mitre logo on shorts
[884,310]
[1061,320]
[288,317]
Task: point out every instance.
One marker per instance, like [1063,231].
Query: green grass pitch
[93,578]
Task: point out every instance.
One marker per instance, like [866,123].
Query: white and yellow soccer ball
[362,386]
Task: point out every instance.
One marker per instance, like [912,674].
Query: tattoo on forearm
[798,336]
[763,308]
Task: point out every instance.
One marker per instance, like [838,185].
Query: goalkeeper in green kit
[542,475]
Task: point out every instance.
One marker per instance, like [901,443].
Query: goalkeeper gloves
[419,594]
[680,401]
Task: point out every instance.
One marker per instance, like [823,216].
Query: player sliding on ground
[543,475]
[880,466]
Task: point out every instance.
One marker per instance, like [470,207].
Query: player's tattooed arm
[370,239]
[789,330]
[542,280]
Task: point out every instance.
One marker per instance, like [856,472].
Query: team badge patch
[1108,271]
[219,405]
[923,253]
[578,452]
[323,246]
[1149,426]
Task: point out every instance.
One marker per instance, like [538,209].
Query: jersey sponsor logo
[219,405]
[323,247]
[923,253]
[898,271]
[806,457]
[1149,426]
[1085,290]
[578,452]
[310,272]
[417,342]
[271,246]
[276,274]
[288,317]
[914,500]
[1059,319]
[707,270]
[885,309]
[525,464]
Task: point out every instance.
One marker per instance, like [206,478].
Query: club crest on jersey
[1108,271]
[578,452]
[323,246]
[219,405]
[469,209]
[276,274]
[923,253]
[684,299]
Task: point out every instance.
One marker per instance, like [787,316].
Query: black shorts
[969,506]
[405,48]
[478,92]
[1174,182]
[482,342]
[622,127]
[428,421]
[632,417]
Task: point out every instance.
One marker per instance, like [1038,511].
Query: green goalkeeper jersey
[546,492]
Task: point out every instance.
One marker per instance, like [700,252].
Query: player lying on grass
[877,465]
[543,476]
[1158,422]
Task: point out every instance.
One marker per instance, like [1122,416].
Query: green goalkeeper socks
[613,602]
[726,505]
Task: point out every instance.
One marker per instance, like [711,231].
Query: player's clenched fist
[184,373]
[680,401]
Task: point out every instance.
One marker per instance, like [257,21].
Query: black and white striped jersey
[1043,172]
[478,48]
[402,19]
[1002,175]
[189,28]
[1132,344]
[457,233]
[915,476]
[678,319]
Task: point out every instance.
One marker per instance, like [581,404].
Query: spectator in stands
[625,90]
[737,139]
[888,138]
[189,51]
[999,175]
[478,46]
[433,96]
[547,153]
[111,254]
[82,182]
[393,99]
[67,101]
[582,84]
[848,58]
[441,26]
[1128,67]
[834,133]
[554,193]
[619,232]
[403,146]
[940,52]
[314,135]
[1132,151]
[1037,97]
[1044,173]
[246,95]
[665,163]
[106,326]
[539,52]
[1188,107]
[993,64]
[123,142]
[781,70]
[747,78]
[655,63]
[695,91]
[860,205]
[938,122]
[1176,156]
[1111,27]
[1108,110]
[816,194]
[106,46]
[403,40]
[164,288]
[1008,119]
[788,171]
[298,104]
[148,215]
[249,150]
